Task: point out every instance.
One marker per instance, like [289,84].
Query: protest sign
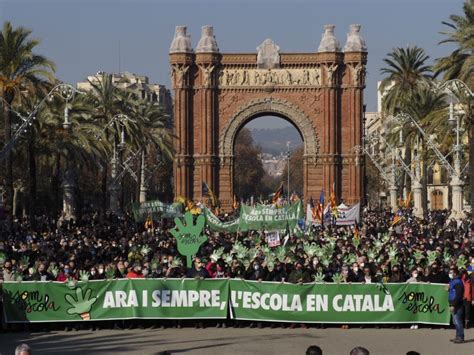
[200,299]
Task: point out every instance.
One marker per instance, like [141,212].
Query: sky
[83,37]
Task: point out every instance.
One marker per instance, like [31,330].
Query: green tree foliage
[459,64]
[296,172]
[20,69]
[248,167]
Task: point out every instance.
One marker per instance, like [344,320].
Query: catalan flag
[356,231]
[332,202]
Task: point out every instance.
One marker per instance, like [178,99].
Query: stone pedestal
[69,199]
[417,198]
[393,198]
[457,211]
[143,187]
[114,189]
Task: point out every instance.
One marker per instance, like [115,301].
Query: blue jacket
[455,292]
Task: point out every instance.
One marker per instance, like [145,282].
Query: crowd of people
[110,247]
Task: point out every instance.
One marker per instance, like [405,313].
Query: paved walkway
[239,341]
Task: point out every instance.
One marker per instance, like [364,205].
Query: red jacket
[133,275]
[466,280]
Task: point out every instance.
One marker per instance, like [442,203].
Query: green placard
[189,236]
[156,209]
[115,299]
[340,303]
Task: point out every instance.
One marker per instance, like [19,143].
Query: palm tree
[20,69]
[406,73]
[155,136]
[460,65]
[106,101]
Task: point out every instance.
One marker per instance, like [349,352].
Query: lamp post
[65,91]
[415,177]
[456,181]
[114,202]
[288,177]
[388,176]
[455,173]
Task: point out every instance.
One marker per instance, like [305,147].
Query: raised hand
[82,304]
[189,236]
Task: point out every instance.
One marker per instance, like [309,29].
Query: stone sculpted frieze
[269,77]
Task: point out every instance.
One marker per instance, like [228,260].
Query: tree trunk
[8,157]
[424,180]
[471,161]
[55,184]
[31,177]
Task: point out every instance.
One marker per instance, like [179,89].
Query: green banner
[249,300]
[157,209]
[340,303]
[216,225]
[267,217]
[115,299]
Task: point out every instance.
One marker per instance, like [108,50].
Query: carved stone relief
[270,77]
[268,55]
[178,75]
[207,77]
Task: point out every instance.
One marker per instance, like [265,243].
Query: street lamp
[455,173]
[288,157]
[63,90]
[114,202]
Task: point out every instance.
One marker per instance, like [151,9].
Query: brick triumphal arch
[216,94]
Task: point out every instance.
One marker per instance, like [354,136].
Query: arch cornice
[269,106]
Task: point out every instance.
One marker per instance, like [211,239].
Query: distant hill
[273,140]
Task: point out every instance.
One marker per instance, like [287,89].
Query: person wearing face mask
[278,273]
[455,298]
[135,272]
[257,272]
[368,278]
[356,275]
[414,276]
[436,275]
[100,272]
[299,275]
[396,274]
[93,274]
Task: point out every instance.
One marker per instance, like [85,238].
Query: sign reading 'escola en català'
[201,299]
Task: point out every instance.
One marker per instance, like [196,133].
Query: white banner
[348,216]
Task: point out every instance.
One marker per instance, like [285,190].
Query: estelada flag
[277,194]
[397,218]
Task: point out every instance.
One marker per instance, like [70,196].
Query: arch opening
[261,160]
